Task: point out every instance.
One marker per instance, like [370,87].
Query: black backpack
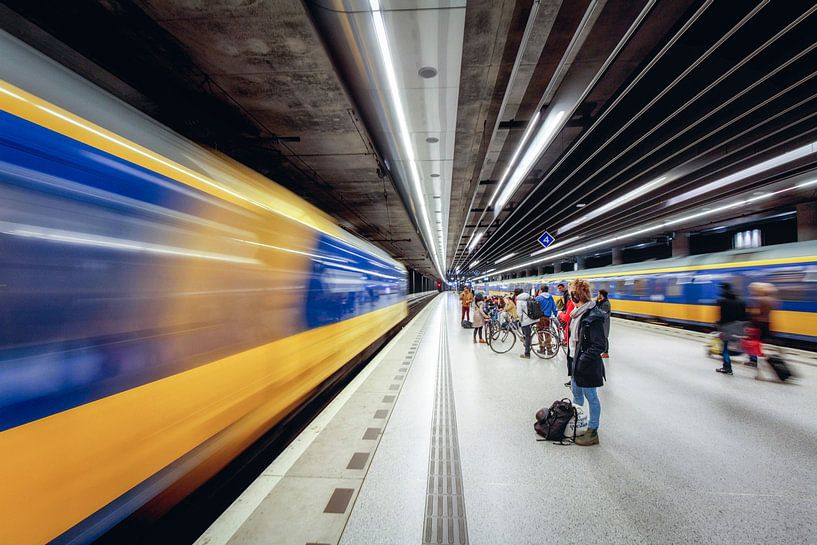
[534,310]
[551,423]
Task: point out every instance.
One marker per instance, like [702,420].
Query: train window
[674,287]
[620,288]
[793,285]
[641,287]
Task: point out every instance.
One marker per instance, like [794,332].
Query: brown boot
[588,438]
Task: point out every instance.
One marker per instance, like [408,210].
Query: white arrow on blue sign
[546,239]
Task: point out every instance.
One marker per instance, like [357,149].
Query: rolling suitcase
[779,367]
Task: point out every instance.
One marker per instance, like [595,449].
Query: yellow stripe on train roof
[637,272]
[270,198]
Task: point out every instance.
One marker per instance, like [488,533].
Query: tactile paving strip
[445,503]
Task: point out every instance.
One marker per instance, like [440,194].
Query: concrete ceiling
[243,76]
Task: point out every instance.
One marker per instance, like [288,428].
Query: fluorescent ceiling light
[528,131]
[473,264]
[745,173]
[615,203]
[501,259]
[402,126]
[657,227]
[489,271]
[475,240]
[537,146]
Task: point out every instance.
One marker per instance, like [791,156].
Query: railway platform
[433,442]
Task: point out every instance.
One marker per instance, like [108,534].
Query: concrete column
[618,256]
[579,264]
[680,244]
[807,221]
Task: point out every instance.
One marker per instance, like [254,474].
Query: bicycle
[499,333]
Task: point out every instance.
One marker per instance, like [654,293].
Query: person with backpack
[585,347]
[479,318]
[466,298]
[526,319]
[730,324]
[548,307]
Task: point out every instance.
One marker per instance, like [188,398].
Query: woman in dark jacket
[587,343]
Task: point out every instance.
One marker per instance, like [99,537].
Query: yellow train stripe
[783,321]
[58,470]
[236,187]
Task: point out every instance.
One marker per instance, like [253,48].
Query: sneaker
[724,370]
[483,341]
[525,356]
[588,438]
[605,355]
[750,363]
[567,384]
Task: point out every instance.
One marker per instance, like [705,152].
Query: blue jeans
[727,359]
[592,396]
[527,334]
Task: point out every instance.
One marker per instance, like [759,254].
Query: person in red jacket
[564,317]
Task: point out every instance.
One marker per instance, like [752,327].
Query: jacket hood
[523,296]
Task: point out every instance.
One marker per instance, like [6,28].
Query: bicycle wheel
[502,340]
[541,347]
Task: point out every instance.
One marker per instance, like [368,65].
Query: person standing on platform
[732,314]
[466,298]
[561,304]
[584,348]
[510,309]
[603,303]
[564,317]
[526,321]
[543,327]
[479,318]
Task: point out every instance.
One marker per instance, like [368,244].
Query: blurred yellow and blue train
[161,307]
[685,290]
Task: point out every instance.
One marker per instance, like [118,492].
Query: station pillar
[618,256]
[807,221]
[680,244]
[579,263]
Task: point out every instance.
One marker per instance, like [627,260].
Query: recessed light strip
[657,227]
[532,154]
[787,157]
[615,203]
[405,137]
[528,131]
[505,258]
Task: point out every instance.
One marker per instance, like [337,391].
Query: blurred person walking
[761,304]
[603,302]
[730,323]
[585,347]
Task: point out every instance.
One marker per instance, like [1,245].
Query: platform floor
[686,455]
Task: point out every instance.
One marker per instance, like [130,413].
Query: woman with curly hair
[585,347]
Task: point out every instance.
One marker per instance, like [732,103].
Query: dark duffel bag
[779,367]
[467,324]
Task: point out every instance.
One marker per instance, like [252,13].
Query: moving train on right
[685,290]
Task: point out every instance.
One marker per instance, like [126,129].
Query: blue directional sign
[546,239]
